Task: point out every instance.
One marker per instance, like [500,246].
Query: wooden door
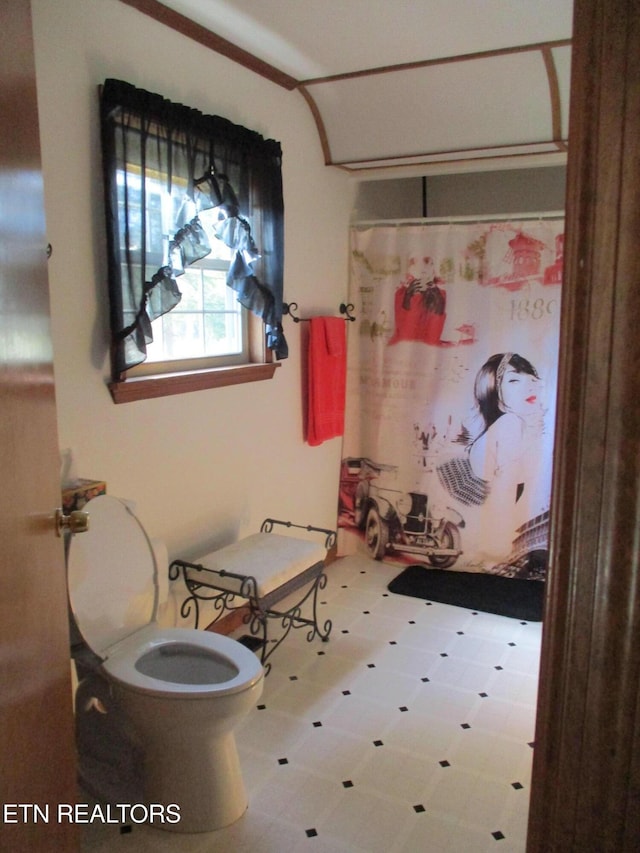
[586,779]
[37,763]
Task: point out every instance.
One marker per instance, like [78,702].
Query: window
[206,324]
[185,194]
[208,328]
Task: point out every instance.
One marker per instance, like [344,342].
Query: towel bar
[290,307]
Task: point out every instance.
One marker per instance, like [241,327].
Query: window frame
[167,384]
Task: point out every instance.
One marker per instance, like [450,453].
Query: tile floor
[410,730]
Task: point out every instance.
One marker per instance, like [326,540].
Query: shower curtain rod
[450,220]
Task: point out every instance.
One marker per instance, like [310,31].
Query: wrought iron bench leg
[293,618]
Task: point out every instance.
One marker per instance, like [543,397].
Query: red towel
[326,378]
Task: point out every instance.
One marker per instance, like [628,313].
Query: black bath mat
[514,597]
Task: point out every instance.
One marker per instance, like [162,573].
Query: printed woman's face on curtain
[508,395]
[521,393]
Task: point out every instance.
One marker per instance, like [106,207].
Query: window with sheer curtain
[195,233]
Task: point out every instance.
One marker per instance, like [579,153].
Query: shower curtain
[451,389]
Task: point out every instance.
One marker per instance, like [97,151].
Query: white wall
[205,467]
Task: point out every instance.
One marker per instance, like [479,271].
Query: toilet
[184,691]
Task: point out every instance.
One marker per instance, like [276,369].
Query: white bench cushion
[270,558]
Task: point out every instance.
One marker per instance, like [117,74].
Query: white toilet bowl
[183,690]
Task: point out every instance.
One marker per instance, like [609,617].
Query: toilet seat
[111,575]
[124,659]
[113,593]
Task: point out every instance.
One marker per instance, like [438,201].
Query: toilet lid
[112,575]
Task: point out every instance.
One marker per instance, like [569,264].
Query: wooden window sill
[148,387]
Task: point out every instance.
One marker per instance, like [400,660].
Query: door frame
[586,769]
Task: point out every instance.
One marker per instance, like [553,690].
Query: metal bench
[256,573]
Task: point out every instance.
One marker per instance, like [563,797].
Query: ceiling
[405,87]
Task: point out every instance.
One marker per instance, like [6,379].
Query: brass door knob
[76,522]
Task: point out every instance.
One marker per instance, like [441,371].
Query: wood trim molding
[444,60]
[149,387]
[554,93]
[186,27]
[514,149]
[586,772]
[322,133]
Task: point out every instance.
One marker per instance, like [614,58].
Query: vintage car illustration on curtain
[393,520]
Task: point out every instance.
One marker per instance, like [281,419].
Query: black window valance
[165,164]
